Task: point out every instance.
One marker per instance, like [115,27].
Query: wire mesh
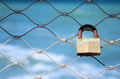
[12,37]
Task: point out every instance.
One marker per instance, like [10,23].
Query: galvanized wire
[59,40]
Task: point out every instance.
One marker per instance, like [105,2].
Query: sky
[63,27]
[83,69]
[69,0]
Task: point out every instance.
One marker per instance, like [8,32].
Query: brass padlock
[88,46]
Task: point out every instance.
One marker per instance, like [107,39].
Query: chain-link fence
[60,23]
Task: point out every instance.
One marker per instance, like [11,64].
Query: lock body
[88,46]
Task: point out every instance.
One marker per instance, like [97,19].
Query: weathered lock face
[88,46]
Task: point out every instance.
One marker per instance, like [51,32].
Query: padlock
[88,46]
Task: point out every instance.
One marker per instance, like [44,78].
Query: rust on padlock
[88,46]
[87,27]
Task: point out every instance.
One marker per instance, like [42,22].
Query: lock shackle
[87,27]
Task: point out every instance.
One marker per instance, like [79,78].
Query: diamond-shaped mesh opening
[38,39]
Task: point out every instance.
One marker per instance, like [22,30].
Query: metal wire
[59,40]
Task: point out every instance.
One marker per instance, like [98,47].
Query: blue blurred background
[63,27]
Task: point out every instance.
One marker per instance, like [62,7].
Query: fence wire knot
[112,15]
[89,1]
[62,65]
[16,37]
[110,67]
[86,78]
[64,40]
[42,0]
[112,42]
[40,26]
[16,63]
[17,11]
[37,77]
[40,52]
[65,14]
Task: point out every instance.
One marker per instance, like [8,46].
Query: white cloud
[83,69]
[21,77]
[40,67]
[14,52]
[57,57]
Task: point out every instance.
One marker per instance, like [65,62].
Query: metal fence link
[59,40]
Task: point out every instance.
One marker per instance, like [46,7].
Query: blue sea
[62,27]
